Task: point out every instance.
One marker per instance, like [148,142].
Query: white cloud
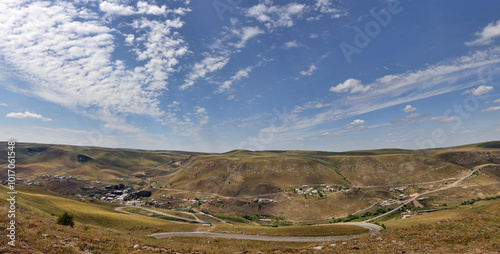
[326,7]
[357,122]
[496,101]
[490,109]
[395,89]
[189,124]
[351,85]
[300,139]
[479,91]
[64,49]
[487,35]
[409,108]
[142,7]
[309,72]
[275,15]
[246,34]
[201,69]
[231,97]
[116,9]
[292,44]
[3,104]
[28,115]
[310,105]
[238,76]
[174,106]
[415,117]
[445,119]
[220,54]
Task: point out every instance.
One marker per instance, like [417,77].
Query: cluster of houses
[397,189]
[23,182]
[263,200]
[401,196]
[314,189]
[115,196]
[388,202]
[410,213]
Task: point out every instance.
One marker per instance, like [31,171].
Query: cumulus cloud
[351,85]
[479,90]
[409,108]
[309,72]
[357,124]
[142,7]
[487,35]
[496,101]
[490,109]
[28,114]
[327,7]
[275,15]
[292,44]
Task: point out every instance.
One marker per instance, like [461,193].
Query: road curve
[372,227]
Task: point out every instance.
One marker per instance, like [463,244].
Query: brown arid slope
[90,162]
[250,175]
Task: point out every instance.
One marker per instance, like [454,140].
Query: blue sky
[218,75]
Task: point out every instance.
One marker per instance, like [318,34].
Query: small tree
[66,219]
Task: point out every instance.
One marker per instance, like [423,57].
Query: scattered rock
[318,248]
[136,246]
[379,238]
[45,235]
[333,245]
[344,243]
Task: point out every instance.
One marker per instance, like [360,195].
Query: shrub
[66,219]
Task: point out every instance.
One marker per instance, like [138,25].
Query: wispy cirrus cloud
[486,35]
[351,85]
[394,89]
[243,73]
[491,109]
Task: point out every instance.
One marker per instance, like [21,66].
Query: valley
[277,196]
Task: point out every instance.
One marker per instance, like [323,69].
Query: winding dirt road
[372,227]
